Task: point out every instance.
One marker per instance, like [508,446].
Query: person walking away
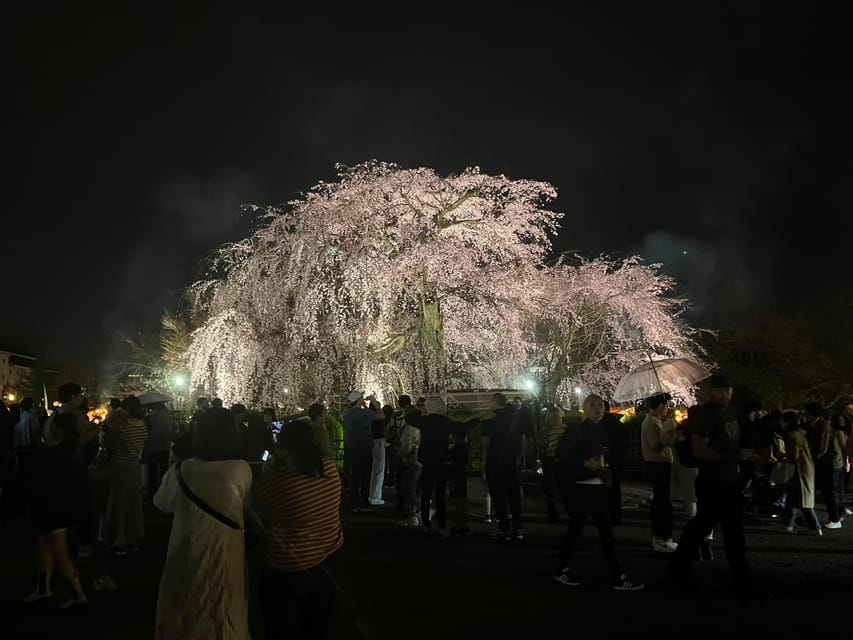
[801,486]
[715,440]
[826,445]
[503,447]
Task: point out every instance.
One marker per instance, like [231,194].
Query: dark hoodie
[578,443]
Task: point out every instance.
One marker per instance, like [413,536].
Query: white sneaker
[414,521]
[664,546]
[35,596]
[833,525]
[625,584]
[672,544]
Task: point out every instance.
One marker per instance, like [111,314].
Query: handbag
[201,504]
[782,473]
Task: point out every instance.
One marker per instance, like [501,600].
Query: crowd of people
[233,478]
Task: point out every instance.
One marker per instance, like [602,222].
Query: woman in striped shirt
[299,499]
[122,526]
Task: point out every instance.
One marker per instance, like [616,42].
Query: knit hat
[434,404]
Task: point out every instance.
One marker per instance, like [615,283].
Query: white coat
[203,587]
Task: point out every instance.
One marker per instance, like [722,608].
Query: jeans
[377,475]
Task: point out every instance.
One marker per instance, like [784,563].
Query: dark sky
[132,139]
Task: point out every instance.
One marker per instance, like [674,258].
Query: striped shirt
[126,441]
[550,437]
[302,516]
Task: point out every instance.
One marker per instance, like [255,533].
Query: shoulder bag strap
[201,503]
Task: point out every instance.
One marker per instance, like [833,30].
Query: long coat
[800,454]
[203,587]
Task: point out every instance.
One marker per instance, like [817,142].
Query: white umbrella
[658,376]
[152,397]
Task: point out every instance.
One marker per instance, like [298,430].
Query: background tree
[155,361]
[784,361]
[389,279]
[599,318]
[397,280]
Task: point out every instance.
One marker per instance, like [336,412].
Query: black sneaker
[623,583]
[564,576]
[501,536]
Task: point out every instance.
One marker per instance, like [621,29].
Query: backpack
[683,446]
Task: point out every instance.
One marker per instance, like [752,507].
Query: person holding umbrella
[657,437]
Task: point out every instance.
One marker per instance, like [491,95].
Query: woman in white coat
[203,586]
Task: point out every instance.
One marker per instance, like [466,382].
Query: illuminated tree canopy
[402,281]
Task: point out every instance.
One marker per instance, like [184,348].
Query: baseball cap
[354,395]
[720,380]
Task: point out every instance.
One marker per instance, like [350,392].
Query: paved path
[399,583]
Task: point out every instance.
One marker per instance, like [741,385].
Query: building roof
[17,354]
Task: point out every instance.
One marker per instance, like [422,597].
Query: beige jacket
[656,439]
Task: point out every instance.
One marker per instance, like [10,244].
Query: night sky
[718,143]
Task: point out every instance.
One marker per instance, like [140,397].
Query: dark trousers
[616,495]
[157,463]
[826,479]
[434,476]
[297,604]
[715,503]
[580,501]
[505,488]
[549,485]
[361,464]
[660,475]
